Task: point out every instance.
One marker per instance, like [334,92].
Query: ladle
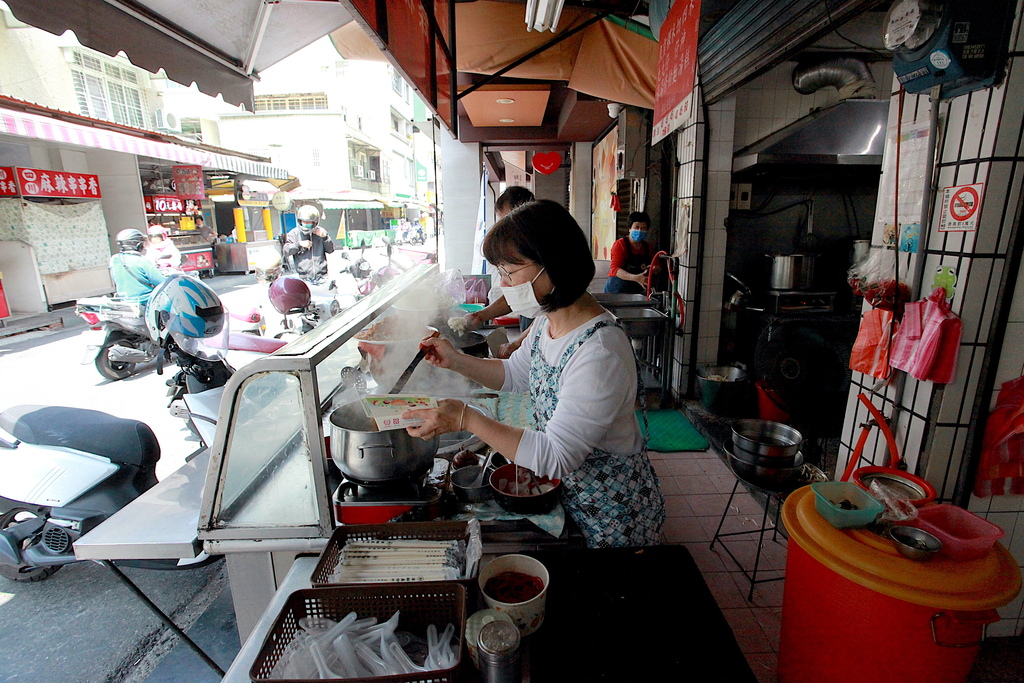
[400,384]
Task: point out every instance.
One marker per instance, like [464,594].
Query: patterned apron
[614,499]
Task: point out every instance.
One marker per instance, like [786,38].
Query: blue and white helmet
[186,310]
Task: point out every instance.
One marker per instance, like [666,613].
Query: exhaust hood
[851,133]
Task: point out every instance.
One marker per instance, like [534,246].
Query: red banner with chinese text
[8,188]
[34,182]
[677,68]
[188,182]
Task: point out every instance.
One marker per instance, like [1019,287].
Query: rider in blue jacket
[134,275]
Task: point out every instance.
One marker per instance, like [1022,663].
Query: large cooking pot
[368,456]
[793,271]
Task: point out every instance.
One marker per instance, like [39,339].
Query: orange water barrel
[855,610]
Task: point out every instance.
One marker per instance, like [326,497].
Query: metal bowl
[463,488]
[771,478]
[774,461]
[766,438]
[640,322]
[913,543]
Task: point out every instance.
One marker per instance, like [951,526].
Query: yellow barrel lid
[872,561]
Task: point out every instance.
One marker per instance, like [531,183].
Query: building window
[292,102]
[396,81]
[108,91]
[316,158]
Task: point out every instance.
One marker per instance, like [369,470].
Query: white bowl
[527,615]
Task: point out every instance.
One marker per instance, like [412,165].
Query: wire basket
[423,531]
[419,604]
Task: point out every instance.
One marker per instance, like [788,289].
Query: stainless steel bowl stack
[766,453]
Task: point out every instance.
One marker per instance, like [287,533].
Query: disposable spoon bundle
[362,648]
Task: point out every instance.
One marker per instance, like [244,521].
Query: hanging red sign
[34,182]
[547,162]
[8,188]
[188,182]
[161,203]
[677,68]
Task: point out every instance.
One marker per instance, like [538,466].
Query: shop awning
[352,204]
[39,127]
[220,46]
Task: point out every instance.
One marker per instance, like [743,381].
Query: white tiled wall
[980,143]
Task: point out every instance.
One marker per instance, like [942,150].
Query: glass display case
[267,478]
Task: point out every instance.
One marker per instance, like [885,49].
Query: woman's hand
[447,417]
[440,352]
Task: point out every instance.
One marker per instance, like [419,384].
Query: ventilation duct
[849,75]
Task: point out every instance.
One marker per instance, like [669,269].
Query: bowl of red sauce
[518,586]
[519,490]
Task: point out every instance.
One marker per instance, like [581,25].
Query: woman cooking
[579,370]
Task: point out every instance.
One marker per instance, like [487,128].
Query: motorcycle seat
[122,440]
[250,342]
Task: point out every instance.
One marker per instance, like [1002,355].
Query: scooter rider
[134,275]
[307,245]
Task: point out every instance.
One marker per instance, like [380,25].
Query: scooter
[101,462]
[126,343]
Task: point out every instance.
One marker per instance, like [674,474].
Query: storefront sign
[677,68]
[188,182]
[8,188]
[249,195]
[161,203]
[33,182]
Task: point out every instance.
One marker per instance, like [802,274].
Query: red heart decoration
[547,162]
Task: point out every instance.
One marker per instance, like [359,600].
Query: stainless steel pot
[366,455]
[794,271]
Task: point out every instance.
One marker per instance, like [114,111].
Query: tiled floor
[696,486]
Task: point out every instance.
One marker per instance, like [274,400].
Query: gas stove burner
[420,497]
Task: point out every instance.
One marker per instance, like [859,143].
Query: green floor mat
[671,431]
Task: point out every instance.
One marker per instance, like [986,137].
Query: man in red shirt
[631,257]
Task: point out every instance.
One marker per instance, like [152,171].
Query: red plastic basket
[964,535]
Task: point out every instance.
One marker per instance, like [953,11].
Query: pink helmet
[289,293]
[157,231]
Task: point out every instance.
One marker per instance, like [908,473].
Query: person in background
[578,367]
[162,252]
[631,258]
[513,196]
[307,245]
[205,231]
[135,276]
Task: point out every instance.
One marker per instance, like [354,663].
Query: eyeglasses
[507,275]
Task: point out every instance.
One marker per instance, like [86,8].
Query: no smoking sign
[960,207]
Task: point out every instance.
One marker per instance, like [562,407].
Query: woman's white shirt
[596,398]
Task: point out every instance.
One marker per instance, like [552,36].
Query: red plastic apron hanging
[870,353]
[1001,470]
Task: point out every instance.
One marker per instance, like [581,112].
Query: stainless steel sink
[640,322]
[623,300]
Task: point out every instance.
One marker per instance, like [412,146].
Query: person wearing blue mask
[631,258]
[577,366]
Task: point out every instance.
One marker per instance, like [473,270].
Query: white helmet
[308,217]
[189,312]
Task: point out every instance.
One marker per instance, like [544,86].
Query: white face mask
[522,299]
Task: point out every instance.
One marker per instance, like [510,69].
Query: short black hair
[544,232]
[513,196]
[638,217]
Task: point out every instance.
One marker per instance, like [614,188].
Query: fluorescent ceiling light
[505,100]
[507,120]
[542,15]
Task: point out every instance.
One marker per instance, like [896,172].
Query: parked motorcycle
[126,342]
[104,462]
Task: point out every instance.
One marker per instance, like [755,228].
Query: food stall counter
[617,614]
